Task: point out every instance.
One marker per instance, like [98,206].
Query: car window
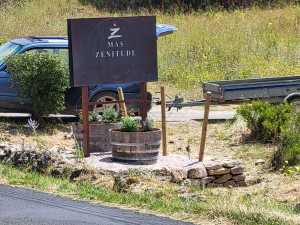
[64,52]
[7,49]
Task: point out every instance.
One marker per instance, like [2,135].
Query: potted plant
[99,126]
[134,144]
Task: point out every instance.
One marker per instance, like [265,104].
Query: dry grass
[269,193]
[206,47]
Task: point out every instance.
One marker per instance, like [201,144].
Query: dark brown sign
[112,50]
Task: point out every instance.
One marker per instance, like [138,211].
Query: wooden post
[144,100]
[85,115]
[163,120]
[204,126]
[121,97]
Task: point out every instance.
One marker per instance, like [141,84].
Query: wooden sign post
[163,120]
[113,50]
[204,126]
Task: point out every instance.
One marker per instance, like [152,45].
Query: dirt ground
[224,140]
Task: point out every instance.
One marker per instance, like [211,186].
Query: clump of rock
[213,174]
[47,161]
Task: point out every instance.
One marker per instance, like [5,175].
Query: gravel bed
[104,161]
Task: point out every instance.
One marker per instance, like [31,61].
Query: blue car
[10,102]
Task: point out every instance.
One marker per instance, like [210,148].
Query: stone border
[217,173]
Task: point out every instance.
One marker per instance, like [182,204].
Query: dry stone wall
[213,174]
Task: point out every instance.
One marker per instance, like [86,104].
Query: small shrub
[288,149]
[265,121]
[42,78]
[129,124]
[109,115]
[148,124]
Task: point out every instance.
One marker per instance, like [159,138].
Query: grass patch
[222,205]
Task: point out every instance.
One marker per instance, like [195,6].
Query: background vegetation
[173,6]
[209,45]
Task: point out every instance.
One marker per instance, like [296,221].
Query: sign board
[112,50]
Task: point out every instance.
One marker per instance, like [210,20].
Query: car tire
[106,96]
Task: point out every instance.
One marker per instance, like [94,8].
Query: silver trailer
[271,89]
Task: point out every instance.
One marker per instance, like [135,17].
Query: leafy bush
[265,121]
[109,115]
[288,149]
[42,78]
[129,124]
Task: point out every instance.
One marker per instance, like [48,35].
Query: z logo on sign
[113,33]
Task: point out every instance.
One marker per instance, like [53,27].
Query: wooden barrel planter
[136,147]
[99,135]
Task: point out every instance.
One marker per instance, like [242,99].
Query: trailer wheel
[294,99]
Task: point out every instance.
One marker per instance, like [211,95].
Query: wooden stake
[163,120]
[144,101]
[85,115]
[122,105]
[204,126]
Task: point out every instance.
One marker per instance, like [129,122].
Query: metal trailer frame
[271,89]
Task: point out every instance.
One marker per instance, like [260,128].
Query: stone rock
[230,163]
[259,162]
[57,171]
[76,172]
[69,135]
[168,171]
[4,146]
[54,149]
[178,175]
[187,182]
[95,176]
[150,191]
[212,165]
[237,170]
[214,185]
[223,179]
[160,172]
[13,131]
[197,172]
[123,181]
[208,179]
[229,183]
[239,178]
[241,183]
[137,190]
[219,171]
[2,154]
[182,189]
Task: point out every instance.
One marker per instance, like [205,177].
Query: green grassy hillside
[207,46]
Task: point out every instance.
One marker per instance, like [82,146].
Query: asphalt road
[185,114]
[20,206]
